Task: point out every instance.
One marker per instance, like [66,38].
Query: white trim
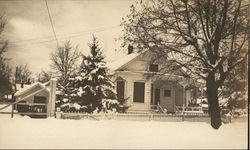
[156,73]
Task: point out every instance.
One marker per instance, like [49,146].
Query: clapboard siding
[130,79]
[169,103]
[134,71]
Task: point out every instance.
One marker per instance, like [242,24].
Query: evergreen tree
[235,88]
[91,86]
[5,70]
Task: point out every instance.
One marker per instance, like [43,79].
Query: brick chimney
[130,49]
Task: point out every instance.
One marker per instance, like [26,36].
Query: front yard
[24,132]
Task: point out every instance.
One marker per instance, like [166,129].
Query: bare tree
[64,61]
[207,39]
[23,74]
[44,76]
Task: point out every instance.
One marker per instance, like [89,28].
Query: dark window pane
[167,93]
[39,99]
[120,89]
[153,67]
[139,90]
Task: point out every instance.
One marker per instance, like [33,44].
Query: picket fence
[135,117]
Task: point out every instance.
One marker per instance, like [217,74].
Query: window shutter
[120,89]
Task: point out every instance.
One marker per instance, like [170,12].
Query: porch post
[184,84]
[52,99]
[148,93]
[184,98]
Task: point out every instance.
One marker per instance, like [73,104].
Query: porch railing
[189,109]
[157,108]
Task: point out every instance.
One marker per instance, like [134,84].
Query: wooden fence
[195,117]
[32,109]
[136,117]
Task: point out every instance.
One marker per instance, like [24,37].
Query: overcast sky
[31,37]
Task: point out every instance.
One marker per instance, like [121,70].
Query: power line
[64,35]
[51,23]
[60,39]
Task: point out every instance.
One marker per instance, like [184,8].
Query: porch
[152,96]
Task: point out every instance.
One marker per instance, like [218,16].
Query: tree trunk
[212,97]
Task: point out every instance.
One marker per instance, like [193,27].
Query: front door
[157,96]
[139,92]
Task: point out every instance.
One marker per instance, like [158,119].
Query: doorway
[139,92]
[157,96]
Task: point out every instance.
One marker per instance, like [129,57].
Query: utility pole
[16,78]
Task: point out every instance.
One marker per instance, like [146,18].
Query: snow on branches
[91,85]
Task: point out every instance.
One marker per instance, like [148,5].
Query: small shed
[34,93]
[33,98]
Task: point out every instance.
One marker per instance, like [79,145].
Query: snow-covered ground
[24,132]
[8,109]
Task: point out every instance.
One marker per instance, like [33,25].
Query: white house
[144,85]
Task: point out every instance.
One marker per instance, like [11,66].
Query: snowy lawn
[24,132]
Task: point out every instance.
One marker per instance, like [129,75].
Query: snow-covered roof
[122,61]
[28,87]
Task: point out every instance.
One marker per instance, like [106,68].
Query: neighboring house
[34,93]
[37,98]
[143,83]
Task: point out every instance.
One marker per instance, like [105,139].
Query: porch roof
[152,73]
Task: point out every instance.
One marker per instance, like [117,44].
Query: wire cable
[60,36]
[59,39]
[51,23]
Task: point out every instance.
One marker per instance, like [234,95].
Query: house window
[167,93]
[120,89]
[39,99]
[153,68]
[139,91]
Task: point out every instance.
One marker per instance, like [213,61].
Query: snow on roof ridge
[122,61]
[22,90]
[46,83]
